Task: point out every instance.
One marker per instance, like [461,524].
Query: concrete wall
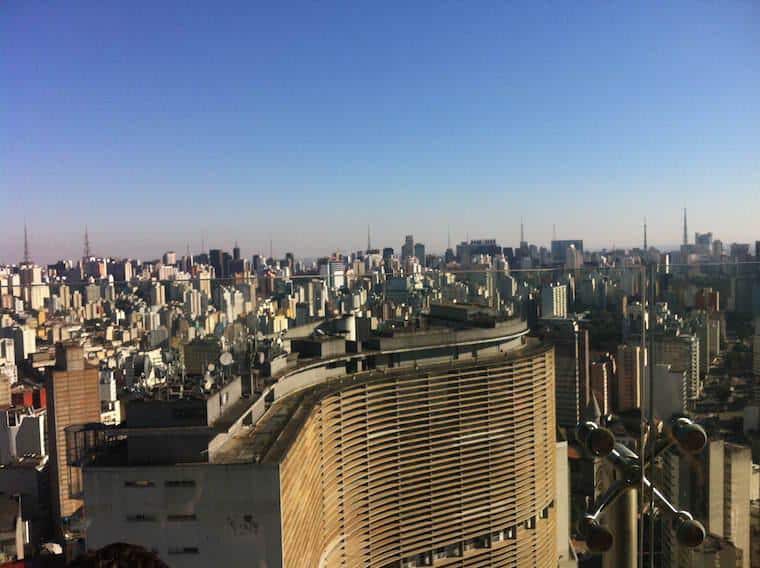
[195,510]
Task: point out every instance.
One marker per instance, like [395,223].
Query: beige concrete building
[432,448]
[73,398]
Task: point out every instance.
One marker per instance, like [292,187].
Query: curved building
[452,465]
[426,447]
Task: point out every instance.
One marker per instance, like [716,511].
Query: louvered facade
[450,466]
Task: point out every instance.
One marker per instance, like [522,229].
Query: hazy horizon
[157,123]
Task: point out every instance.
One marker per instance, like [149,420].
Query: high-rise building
[554,301]
[157,294]
[571,344]
[73,396]
[601,372]
[419,252]
[170,258]
[362,460]
[715,487]
[407,249]
[629,365]
[215,260]
[559,249]
[681,352]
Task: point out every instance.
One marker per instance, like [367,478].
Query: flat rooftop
[275,432]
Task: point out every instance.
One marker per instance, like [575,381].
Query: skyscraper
[407,249]
[73,398]
[394,465]
[629,365]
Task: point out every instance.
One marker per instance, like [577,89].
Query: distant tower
[27,258]
[270,247]
[369,240]
[554,232]
[645,234]
[86,243]
[685,232]
[522,231]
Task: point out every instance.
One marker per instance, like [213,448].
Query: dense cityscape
[379,284]
[237,407]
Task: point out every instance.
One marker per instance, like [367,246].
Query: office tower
[192,300]
[215,260]
[571,343]
[170,258]
[573,258]
[681,352]
[554,301]
[757,251]
[73,398]
[669,391]
[629,366]
[226,264]
[157,294]
[715,487]
[387,254]
[362,459]
[419,252]
[121,270]
[407,249]
[600,382]
[559,249]
[717,248]
[703,243]
[236,252]
[739,252]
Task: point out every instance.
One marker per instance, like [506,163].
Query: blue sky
[157,122]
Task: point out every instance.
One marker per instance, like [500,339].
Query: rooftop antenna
[86,243]
[645,234]
[26,245]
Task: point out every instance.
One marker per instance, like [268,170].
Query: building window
[140,483]
[141,518]
[530,523]
[184,550]
[544,513]
[180,518]
[180,483]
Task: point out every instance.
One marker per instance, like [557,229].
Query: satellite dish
[226,358]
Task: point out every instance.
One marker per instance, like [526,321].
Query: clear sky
[157,122]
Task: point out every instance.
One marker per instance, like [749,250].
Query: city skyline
[26,244]
[155,124]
